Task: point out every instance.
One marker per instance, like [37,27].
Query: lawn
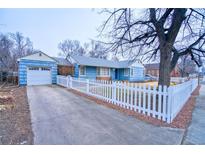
[152,83]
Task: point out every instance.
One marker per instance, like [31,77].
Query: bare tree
[165,33]
[12,47]
[71,47]
[22,47]
[97,50]
[5,55]
[115,58]
[86,47]
[186,66]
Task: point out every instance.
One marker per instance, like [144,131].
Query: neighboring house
[153,69]
[101,69]
[39,68]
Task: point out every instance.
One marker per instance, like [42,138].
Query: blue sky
[47,27]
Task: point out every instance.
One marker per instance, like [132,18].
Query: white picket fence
[180,94]
[159,102]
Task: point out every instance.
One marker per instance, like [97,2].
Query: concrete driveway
[61,117]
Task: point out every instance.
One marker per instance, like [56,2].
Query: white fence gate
[159,102]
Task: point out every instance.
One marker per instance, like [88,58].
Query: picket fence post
[169,105]
[70,82]
[164,107]
[114,92]
[87,86]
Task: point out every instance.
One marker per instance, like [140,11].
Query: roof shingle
[62,61]
[89,61]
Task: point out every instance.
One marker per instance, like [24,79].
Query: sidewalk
[196,131]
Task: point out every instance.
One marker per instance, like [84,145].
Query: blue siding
[76,71]
[121,74]
[112,72]
[138,74]
[90,73]
[23,64]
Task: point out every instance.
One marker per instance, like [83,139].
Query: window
[82,70]
[45,69]
[126,71]
[98,71]
[33,68]
[105,72]
[102,71]
[131,72]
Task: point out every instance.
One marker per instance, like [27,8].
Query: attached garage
[37,69]
[39,75]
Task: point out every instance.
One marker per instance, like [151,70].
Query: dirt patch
[6,100]
[15,122]
[181,121]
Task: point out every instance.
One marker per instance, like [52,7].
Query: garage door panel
[38,76]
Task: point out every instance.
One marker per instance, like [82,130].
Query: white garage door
[38,75]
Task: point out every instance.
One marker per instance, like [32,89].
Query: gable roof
[58,60]
[34,57]
[89,61]
[62,61]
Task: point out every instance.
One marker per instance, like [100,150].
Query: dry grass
[15,122]
[151,83]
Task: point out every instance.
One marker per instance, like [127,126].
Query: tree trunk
[182,74]
[165,66]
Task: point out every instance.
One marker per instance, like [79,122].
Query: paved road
[196,130]
[61,117]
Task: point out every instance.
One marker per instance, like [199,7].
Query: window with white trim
[126,71]
[103,71]
[98,71]
[82,70]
